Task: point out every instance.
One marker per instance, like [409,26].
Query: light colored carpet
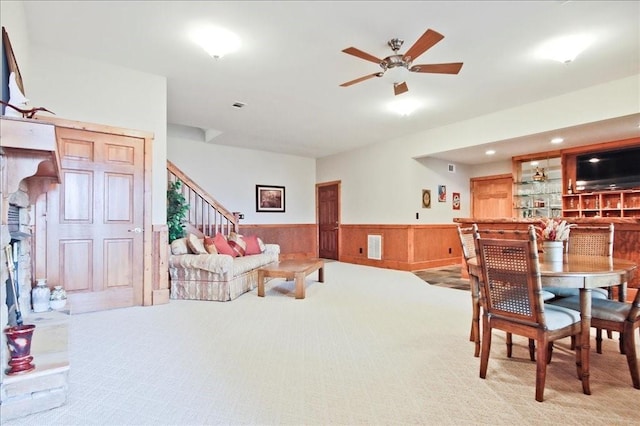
[367,347]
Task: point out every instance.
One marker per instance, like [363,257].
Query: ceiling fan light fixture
[216,41]
[404,107]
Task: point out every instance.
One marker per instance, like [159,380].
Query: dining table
[575,271]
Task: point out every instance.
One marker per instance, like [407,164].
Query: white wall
[381,184]
[230,175]
[83,90]
[602,102]
[78,89]
[13,19]
[495,168]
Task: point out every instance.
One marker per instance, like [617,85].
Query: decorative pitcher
[40,296]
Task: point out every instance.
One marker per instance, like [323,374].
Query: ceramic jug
[40,296]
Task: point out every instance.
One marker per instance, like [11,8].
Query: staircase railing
[205,214]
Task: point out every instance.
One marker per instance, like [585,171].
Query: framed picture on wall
[442,193]
[455,197]
[426,198]
[269,198]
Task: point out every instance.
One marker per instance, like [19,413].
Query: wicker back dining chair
[468,246]
[590,240]
[613,315]
[513,301]
[517,234]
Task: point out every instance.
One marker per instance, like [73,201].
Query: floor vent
[374,247]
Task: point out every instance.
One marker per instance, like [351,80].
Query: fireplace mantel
[30,153]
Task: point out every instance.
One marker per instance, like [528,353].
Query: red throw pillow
[210,245]
[222,245]
[237,244]
[253,247]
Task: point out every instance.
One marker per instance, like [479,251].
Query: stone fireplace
[20,248]
[29,165]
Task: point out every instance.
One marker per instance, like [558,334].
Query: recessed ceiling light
[557,140]
[565,49]
[490,151]
[216,41]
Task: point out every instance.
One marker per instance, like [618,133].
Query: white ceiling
[291,64]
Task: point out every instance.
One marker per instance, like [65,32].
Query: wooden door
[492,196]
[95,220]
[328,199]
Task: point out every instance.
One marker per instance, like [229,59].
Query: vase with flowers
[553,233]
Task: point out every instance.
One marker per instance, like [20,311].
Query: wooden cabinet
[602,204]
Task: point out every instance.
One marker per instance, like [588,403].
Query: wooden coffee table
[296,269]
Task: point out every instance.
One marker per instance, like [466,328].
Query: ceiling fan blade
[362,55]
[426,41]
[400,88]
[358,80]
[452,68]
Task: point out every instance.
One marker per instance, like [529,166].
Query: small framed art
[442,193]
[455,197]
[426,198]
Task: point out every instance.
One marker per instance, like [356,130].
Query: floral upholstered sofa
[219,268]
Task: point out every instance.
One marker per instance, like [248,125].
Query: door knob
[136,230]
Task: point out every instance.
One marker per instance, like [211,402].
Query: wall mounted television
[616,169]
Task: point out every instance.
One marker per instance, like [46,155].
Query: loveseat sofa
[216,274]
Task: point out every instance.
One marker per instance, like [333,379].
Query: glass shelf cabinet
[538,188]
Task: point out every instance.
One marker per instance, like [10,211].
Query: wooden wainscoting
[295,240]
[160,282]
[404,247]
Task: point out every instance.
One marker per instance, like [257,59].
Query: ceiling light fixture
[565,49]
[490,151]
[404,107]
[216,41]
[557,140]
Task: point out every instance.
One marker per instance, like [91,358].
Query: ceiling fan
[425,42]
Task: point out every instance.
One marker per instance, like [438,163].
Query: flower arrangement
[554,229]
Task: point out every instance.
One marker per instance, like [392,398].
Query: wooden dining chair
[613,315]
[518,234]
[468,246]
[513,302]
[589,240]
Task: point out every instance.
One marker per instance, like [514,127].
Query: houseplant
[176,211]
[553,233]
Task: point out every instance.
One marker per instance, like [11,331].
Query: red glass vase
[19,343]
